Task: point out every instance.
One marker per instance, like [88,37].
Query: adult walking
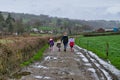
[64,39]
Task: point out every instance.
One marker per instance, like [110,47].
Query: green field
[98,45]
[46,28]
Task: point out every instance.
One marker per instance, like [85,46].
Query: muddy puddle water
[20,75]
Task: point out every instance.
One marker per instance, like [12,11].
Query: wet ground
[66,66]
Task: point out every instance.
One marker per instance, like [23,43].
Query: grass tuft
[36,57]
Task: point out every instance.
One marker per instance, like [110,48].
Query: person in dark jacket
[64,39]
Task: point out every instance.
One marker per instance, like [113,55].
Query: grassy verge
[98,45]
[36,57]
[4,41]
[42,35]
[33,34]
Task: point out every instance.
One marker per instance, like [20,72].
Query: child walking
[51,43]
[71,43]
[58,45]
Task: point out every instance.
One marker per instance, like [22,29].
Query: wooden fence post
[79,41]
[107,49]
[87,45]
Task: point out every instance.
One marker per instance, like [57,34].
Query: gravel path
[63,66]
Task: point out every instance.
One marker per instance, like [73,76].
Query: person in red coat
[71,43]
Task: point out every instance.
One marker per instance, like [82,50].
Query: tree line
[20,23]
[9,25]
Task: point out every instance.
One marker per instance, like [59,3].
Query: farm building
[101,30]
[115,29]
[34,29]
[108,30]
[112,30]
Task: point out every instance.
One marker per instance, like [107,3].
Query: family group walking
[65,40]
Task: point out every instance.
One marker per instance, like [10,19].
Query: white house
[34,30]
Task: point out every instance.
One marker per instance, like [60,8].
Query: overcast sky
[74,9]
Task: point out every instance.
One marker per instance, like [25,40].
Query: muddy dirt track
[67,65]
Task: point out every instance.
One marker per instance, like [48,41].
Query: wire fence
[101,48]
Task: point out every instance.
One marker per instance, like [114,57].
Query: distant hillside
[101,23]
[26,17]
[93,23]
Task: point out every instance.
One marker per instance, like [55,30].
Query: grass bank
[36,57]
[98,45]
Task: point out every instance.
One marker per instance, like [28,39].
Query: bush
[19,51]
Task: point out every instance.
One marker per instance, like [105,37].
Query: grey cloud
[75,9]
